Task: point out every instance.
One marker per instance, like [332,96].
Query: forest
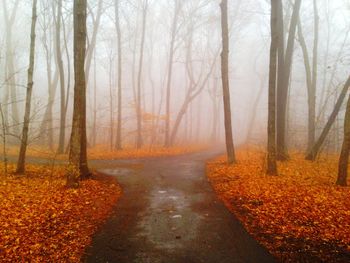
[174,131]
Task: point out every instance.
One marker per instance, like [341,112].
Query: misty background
[197,47]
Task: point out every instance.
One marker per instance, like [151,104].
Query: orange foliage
[299,215]
[42,221]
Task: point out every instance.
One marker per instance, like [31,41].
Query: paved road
[169,213]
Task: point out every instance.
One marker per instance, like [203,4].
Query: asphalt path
[169,213]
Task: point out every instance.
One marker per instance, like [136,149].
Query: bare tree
[10,73]
[46,127]
[118,144]
[282,89]
[77,150]
[24,139]
[4,141]
[59,62]
[312,153]
[139,140]
[311,76]
[231,158]
[345,150]
[92,43]
[174,29]
[271,123]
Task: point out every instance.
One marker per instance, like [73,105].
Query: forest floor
[43,221]
[299,215]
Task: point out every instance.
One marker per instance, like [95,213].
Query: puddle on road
[116,171]
[169,222]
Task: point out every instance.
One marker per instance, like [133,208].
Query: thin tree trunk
[213,96]
[10,73]
[24,139]
[92,45]
[271,123]
[170,72]
[344,155]
[61,139]
[77,151]
[254,109]
[139,140]
[191,94]
[225,83]
[282,90]
[312,154]
[4,142]
[311,88]
[119,42]
[46,124]
[94,125]
[312,118]
[111,105]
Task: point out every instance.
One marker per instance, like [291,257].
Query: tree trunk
[10,74]
[215,113]
[344,155]
[225,83]
[170,71]
[78,167]
[94,123]
[139,140]
[271,123]
[24,139]
[312,154]
[92,44]
[311,87]
[282,90]
[46,129]
[192,92]
[62,134]
[111,105]
[255,108]
[118,145]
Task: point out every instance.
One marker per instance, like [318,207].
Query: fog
[196,66]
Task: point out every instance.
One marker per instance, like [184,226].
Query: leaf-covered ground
[42,221]
[300,215]
[103,152]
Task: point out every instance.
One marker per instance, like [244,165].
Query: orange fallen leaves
[299,215]
[42,221]
[100,152]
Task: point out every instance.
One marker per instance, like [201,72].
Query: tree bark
[78,167]
[92,44]
[231,158]
[139,140]
[271,123]
[344,155]
[62,133]
[282,90]
[10,74]
[170,71]
[311,74]
[24,140]
[312,154]
[312,96]
[118,144]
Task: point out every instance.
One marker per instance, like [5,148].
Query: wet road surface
[168,213]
